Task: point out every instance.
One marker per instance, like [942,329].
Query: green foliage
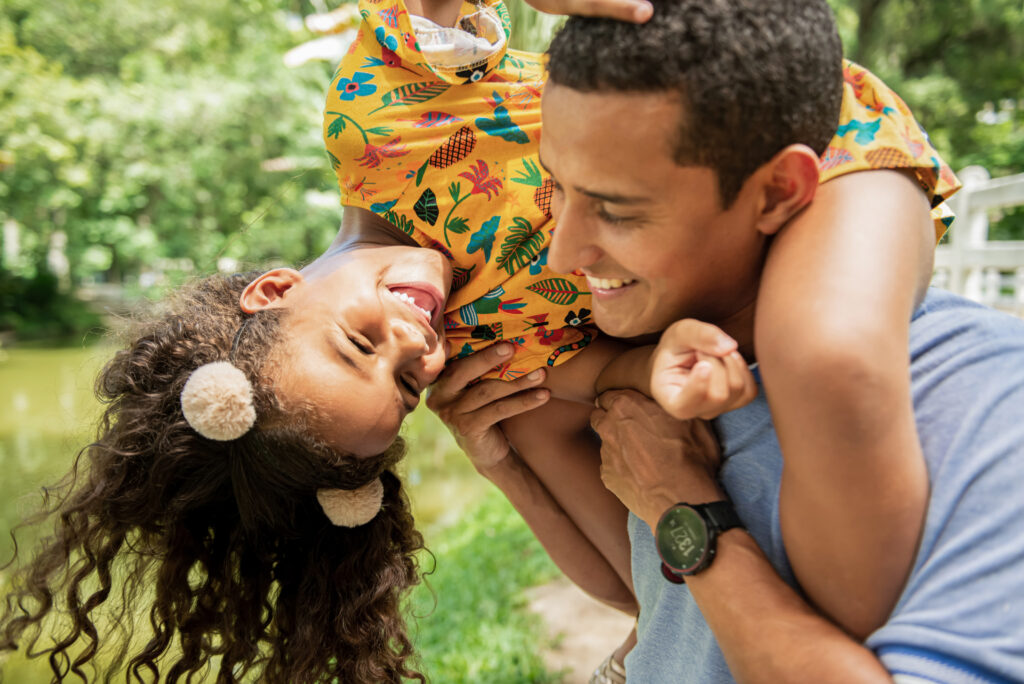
[959,64]
[142,131]
[531,30]
[35,308]
[473,626]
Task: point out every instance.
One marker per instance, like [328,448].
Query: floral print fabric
[437,130]
[877,131]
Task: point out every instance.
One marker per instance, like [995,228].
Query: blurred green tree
[167,130]
[959,65]
[165,133]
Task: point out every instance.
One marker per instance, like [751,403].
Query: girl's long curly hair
[248,577]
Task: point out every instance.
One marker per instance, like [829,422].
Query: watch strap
[721,515]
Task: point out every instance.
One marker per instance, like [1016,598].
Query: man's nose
[572,246]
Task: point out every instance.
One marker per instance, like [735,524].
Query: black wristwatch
[686,536]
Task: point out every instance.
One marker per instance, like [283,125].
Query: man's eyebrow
[610,197]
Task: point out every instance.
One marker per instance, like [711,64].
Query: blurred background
[145,143]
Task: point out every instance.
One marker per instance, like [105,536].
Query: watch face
[682,539]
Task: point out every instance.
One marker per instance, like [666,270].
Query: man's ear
[269,290]
[790,180]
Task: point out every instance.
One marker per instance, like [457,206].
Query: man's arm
[766,631]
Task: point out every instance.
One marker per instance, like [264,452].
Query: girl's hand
[472,413]
[697,372]
[636,11]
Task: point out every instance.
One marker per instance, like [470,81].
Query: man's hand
[696,372]
[651,460]
[637,11]
[472,413]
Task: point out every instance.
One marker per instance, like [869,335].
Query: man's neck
[740,327]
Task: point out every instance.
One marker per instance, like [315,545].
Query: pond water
[48,412]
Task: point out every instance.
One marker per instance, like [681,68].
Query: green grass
[475,627]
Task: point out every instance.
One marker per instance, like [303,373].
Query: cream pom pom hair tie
[217,402]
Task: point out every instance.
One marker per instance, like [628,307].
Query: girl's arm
[477,414]
[832,331]
[695,371]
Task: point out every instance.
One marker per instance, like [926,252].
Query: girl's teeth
[608,283]
[409,300]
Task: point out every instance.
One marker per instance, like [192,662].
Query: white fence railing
[991,272]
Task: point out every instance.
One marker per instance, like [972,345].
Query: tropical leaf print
[833,157]
[432,119]
[530,174]
[457,225]
[460,276]
[390,15]
[411,93]
[484,238]
[336,127]
[502,126]
[510,61]
[866,130]
[403,222]
[335,162]
[556,290]
[506,19]
[426,207]
[382,207]
[522,244]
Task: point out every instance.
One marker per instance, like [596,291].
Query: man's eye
[612,218]
[361,346]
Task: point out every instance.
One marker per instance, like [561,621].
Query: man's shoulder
[949,325]
[968,386]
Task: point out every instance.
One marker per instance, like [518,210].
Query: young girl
[242,468]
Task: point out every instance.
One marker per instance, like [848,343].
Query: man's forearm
[766,631]
[568,547]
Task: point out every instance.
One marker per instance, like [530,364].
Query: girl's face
[365,336]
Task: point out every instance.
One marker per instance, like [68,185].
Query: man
[666,240]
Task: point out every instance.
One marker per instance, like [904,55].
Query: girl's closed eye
[409,386]
[363,346]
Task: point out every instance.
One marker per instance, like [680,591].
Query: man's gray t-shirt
[961,616]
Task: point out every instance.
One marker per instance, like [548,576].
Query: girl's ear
[790,181]
[269,290]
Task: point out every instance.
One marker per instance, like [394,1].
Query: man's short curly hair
[752,76]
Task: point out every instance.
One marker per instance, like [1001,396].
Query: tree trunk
[867,13]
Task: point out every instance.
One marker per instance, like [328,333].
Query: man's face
[650,235]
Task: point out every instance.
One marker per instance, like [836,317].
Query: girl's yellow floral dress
[437,130]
